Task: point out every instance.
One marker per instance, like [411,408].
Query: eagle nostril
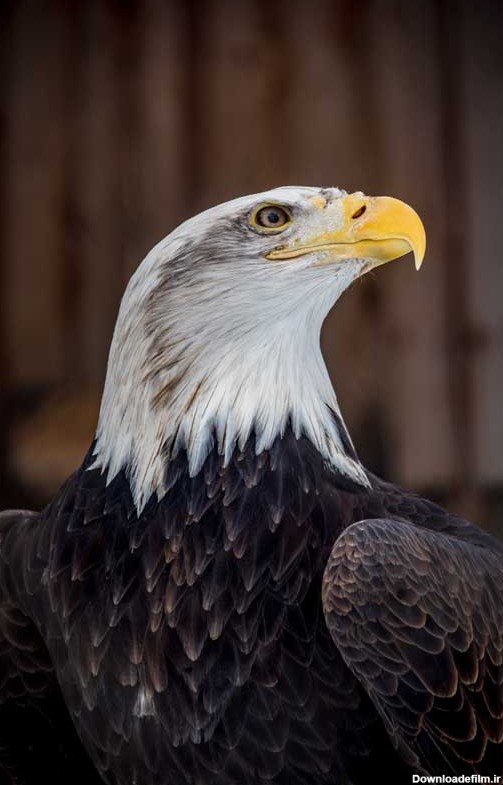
[359,212]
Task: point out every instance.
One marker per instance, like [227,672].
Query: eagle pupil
[271,217]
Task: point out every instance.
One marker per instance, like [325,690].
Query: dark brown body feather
[190,644]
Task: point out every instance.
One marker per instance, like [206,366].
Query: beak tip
[419,255]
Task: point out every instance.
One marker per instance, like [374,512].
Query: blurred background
[120,119]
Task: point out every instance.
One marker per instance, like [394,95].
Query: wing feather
[37,737]
[417,615]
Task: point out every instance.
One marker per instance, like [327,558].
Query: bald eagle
[222,592]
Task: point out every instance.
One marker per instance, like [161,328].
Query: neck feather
[214,379]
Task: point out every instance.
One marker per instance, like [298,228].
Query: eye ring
[270,218]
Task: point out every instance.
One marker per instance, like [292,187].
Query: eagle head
[218,335]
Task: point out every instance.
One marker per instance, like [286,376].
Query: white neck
[206,361]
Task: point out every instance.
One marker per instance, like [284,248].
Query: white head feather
[214,343]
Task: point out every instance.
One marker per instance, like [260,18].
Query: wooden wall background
[119,119]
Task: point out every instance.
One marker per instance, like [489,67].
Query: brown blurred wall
[120,119]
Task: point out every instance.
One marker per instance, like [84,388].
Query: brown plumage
[222,594]
[417,616]
[191,640]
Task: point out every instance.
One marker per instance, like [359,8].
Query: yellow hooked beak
[377,228]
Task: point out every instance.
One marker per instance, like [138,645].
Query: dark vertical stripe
[5,371]
[72,263]
[461,334]
[6,10]
[194,120]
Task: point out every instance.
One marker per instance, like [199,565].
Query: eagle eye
[271,217]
